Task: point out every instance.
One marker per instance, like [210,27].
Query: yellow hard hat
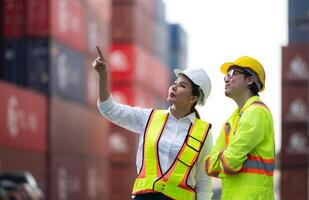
[250,63]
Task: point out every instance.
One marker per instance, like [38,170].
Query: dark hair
[252,87]
[196,91]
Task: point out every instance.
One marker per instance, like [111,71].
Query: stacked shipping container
[295,139]
[48,48]
[51,126]
[139,76]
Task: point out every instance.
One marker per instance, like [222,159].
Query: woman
[169,163]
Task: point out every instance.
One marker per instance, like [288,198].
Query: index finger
[100,53]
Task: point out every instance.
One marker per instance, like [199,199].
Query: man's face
[235,83]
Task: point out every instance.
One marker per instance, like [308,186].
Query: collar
[248,103]
[191,116]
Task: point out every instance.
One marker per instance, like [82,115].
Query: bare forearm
[104,89]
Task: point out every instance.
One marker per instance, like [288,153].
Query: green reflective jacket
[243,156]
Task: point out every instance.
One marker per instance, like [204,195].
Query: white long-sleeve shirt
[173,136]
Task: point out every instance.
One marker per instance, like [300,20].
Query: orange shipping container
[23,118]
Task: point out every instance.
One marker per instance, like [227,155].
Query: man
[243,156]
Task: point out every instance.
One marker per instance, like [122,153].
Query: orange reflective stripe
[214,173]
[227,130]
[226,168]
[255,164]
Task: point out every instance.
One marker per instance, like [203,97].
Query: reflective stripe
[207,166]
[226,168]
[227,129]
[259,165]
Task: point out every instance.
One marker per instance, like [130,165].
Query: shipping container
[130,23]
[68,23]
[294,183]
[132,94]
[295,103]
[38,72]
[67,73]
[76,130]
[23,118]
[122,180]
[122,145]
[160,10]
[97,34]
[161,42]
[178,37]
[37,18]
[295,62]
[298,8]
[15,61]
[295,144]
[14,18]
[76,177]
[101,8]
[129,63]
[21,160]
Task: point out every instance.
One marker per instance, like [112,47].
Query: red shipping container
[122,180]
[295,62]
[75,177]
[13,159]
[14,17]
[130,63]
[23,119]
[294,183]
[138,26]
[102,8]
[123,145]
[295,102]
[37,17]
[68,22]
[77,130]
[132,94]
[295,144]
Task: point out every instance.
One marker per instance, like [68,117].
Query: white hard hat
[200,78]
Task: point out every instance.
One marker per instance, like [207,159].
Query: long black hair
[196,91]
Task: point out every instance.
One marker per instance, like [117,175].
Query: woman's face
[180,93]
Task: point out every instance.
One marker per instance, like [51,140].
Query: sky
[223,30]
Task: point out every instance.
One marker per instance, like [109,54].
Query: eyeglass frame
[231,74]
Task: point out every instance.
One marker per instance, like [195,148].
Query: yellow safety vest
[173,183]
[244,154]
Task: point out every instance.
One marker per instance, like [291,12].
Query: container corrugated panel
[295,103]
[132,94]
[15,61]
[160,10]
[66,177]
[98,33]
[299,33]
[102,8]
[295,144]
[298,8]
[14,18]
[37,16]
[97,130]
[68,23]
[74,129]
[20,160]
[96,184]
[161,42]
[76,177]
[178,37]
[131,63]
[122,181]
[67,127]
[67,73]
[38,74]
[23,118]
[295,62]
[138,26]
[294,183]
[122,144]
